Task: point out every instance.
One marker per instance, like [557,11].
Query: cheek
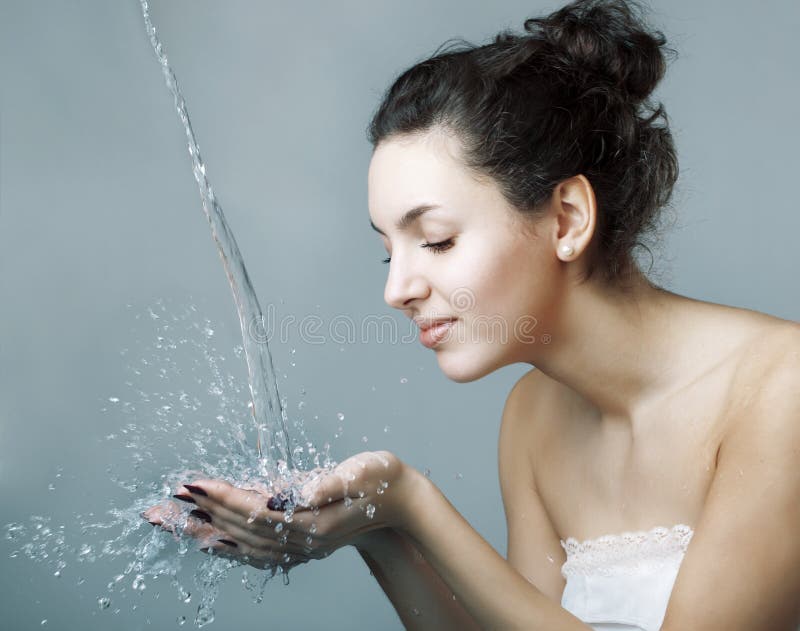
[509,288]
[502,282]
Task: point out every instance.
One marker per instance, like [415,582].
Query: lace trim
[627,553]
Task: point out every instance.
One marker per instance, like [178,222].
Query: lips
[432,332]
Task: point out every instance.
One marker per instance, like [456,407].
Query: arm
[418,594]
[741,571]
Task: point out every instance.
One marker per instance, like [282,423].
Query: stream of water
[270,415]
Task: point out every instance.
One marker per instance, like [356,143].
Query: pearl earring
[567,250]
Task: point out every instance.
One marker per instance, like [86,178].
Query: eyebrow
[410,217]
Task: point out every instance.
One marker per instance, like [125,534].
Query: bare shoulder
[768,378]
[533,393]
[771,356]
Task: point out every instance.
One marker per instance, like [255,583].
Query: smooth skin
[645,408]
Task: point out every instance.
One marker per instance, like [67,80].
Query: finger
[255,556]
[329,488]
[218,496]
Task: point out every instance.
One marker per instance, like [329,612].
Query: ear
[575,207]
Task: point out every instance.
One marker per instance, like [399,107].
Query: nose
[404,285]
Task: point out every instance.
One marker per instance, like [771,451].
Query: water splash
[176,380]
[270,414]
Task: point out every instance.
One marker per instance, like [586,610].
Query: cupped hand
[217,534]
[365,492]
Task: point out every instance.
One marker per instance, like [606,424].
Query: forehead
[410,170]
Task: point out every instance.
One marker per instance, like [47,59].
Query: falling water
[269,413]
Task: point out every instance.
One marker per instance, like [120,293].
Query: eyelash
[437,248]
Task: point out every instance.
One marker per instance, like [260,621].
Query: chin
[463,368]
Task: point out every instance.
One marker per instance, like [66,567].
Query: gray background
[98,210]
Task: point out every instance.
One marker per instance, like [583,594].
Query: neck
[618,349]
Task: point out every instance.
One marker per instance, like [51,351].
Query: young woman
[648,464]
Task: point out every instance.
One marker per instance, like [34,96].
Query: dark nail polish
[185,498]
[195,489]
[228,542]
[202,515]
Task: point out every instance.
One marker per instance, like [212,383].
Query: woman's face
[494,280]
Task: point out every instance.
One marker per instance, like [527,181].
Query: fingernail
[185,498]
[203,549]
[279,502]
[195,489]
[202,515]
[228,542]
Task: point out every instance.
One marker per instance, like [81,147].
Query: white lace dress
[622,582]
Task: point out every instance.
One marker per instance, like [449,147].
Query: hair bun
[605,37]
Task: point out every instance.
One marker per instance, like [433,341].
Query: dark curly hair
[569,96]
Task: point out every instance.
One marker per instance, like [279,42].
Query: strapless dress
[622,582]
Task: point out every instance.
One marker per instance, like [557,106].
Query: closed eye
[438,247]
[441,246]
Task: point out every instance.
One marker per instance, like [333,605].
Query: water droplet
[181,620]
[364,439]
[113,399]
[459,476]
[43,622]
[278,526]
[205,616]
[348,502]
[370,511]
[313,528]
[427,473]
[404,380]
[104,602]
[138,583]
[415,611]
[340,416]
[51,487]
[301,405]
[386,430]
